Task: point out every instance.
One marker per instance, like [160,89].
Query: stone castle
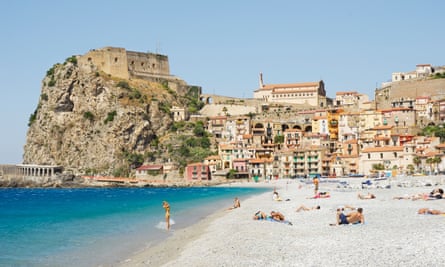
[120,63]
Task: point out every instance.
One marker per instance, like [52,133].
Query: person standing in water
[166,206]
[316,182]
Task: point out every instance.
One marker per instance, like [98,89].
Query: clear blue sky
[219,45]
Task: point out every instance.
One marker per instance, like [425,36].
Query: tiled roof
[256,160]
[441,145]
[289,85]
[150,167]
[286,91]
[196,164]
[214,157]
[382,149]
[347,93]
[383,127]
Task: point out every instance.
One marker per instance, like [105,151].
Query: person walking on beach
[316,182]
[166,207]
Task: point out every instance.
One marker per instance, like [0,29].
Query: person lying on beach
[236,204]
[406,196]
[436,193]
[274,216]
[353,217]
[430,211]
[321,195]
[259,215]
[303,207]
[279,217]
[346,207]
[433,195]
[275,195]
[368,196]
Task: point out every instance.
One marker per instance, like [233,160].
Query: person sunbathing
[349,207]
[433,195]
[436,193]
[368,196]
[236,204]
[259,215]
[353,217]
[275,196]
[279,217]
[430,211]
[321,195]
[274,216]
[303,207]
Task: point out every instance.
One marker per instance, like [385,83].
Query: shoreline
[393,232]
[171,247]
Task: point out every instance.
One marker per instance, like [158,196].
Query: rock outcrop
[90,121]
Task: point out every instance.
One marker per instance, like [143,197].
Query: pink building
[197,172]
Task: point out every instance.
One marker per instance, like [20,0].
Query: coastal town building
[197,172]
[149,171]
[308,93]
[350,99]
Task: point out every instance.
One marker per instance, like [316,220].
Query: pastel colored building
[197,172]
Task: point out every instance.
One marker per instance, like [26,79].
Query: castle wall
[124,64]
[435,88]
[111,60]
[140,64]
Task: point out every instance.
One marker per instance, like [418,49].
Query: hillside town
[128,101]
[295,131]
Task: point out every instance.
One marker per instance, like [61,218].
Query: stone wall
[435,88]
[111,60]
[124,64]
[147,64]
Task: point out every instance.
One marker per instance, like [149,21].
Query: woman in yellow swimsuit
[166,206]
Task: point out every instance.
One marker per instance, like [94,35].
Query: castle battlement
[125,64]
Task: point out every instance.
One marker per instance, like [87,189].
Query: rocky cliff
[91,122]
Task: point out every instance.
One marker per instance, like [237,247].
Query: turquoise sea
[98,226]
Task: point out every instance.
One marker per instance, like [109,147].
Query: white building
[309,93]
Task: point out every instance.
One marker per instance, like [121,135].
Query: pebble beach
[393,233]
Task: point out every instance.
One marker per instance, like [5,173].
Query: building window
[369,156]
[381,155]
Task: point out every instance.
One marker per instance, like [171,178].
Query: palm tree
[410,168]
[429,161]
[416,161]
[436,161]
